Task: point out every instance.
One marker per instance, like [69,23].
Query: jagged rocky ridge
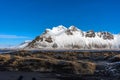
[73,38]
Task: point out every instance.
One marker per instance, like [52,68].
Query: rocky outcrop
[68,32]
[48,39]
[55,45]
[73,28]
[90,34]
[106,35]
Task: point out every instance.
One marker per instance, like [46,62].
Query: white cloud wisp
[12,36]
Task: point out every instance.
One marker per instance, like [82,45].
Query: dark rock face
[68,32]
[76,46]
[55,45]
[73,28]
[39,38]
[45,32]
[49,39]
[90,33]
[31,44]
[106,35]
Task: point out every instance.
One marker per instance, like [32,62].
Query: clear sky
[25,19]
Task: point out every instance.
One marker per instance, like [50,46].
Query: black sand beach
[6,75]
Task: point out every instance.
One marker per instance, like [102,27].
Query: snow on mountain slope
[62,38]
[24,44]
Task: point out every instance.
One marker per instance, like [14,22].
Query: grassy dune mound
[79,63]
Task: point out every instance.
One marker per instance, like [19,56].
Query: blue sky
[25,19]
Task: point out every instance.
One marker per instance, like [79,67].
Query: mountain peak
[73,28]
[72,37]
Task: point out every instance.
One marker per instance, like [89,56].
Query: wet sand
[27,76]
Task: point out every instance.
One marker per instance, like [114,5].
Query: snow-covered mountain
[24,44]
[70,38]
